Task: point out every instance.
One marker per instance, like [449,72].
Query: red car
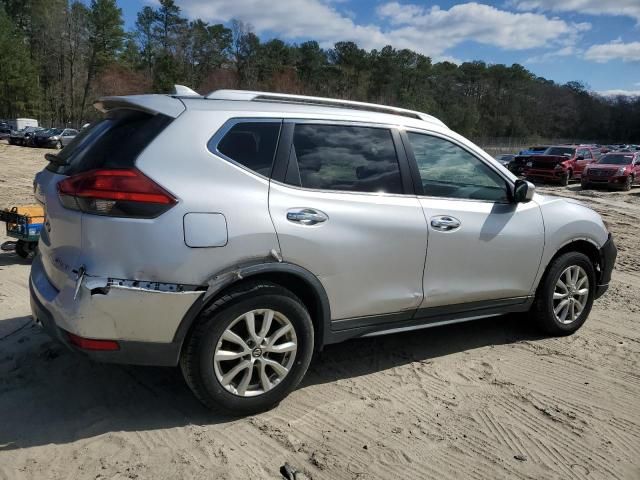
[613,170]
[560,163]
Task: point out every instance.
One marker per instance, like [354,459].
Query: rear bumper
[143,323]
[608,254]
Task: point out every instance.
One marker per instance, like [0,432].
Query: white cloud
[627,8]
[620,92]
[567,51]
[429,31]
[615,50]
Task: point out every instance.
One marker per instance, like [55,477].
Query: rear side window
[251,144]
[344,158]
[113,142]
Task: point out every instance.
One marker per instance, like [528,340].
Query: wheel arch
[582,245]
[301,282]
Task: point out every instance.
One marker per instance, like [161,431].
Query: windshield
[560,151]
[616,160]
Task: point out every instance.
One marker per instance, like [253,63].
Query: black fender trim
[608,254]
[231,276]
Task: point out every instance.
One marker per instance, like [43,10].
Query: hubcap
[570,294]
[255,353]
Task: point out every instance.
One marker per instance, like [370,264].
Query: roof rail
[252,96]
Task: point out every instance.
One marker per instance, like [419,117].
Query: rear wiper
[55,159]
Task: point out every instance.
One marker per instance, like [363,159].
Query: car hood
[605,166]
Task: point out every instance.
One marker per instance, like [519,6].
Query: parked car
[558,164]
[5,131]
[613,170]
[535,150]
[236,233]
[55,137]
[21,137]
[505,159]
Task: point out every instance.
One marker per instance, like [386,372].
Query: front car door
[344,209]
[483,249]
[583,158]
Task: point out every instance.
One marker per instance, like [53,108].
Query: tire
[627,184]
[564,180]
[584,185]
[202,371]
[58,145]
[542,310]
[22,249]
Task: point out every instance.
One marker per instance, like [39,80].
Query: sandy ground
[489,399]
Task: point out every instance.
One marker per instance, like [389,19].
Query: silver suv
[235,233]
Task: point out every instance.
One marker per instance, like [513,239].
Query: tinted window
[252,144]
[447,170]
[349,158]
[560,151]
[616,159]
[113,142]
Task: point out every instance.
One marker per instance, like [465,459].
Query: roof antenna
[183,91]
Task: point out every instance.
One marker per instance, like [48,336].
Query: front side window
[251,144]
[447,170]
[344,158]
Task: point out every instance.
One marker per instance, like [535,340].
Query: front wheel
[626,186]
[249,349]
[564,180]
[58,145]
[565,296]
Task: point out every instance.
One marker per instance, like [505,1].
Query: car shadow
[49,394]
[12,258]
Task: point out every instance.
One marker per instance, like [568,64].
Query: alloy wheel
[570,294]
[255,353]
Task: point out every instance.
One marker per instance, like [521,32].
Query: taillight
[115,192]
[92,344]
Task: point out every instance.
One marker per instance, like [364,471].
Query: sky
[596,42]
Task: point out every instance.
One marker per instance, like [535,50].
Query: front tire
[627,184]
[565,296]
[249,349]
[564,180]
[584,185]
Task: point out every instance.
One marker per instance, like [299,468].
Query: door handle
[445,223]
[306,216]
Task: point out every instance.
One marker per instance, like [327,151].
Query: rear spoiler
[152,104]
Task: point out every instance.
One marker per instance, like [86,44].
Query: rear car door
[483,249]
[343,208]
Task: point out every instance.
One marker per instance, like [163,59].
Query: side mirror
[523,191]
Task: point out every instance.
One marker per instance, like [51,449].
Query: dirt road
[489,399]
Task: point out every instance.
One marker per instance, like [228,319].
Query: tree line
[57,56]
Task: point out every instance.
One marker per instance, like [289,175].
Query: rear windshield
[616,159]
[560,151]
[113,142]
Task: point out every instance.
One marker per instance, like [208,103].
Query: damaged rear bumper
[142,318]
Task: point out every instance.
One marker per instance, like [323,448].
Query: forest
[58,56]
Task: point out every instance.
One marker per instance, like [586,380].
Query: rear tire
[213,344]
[22,249]
[548,311]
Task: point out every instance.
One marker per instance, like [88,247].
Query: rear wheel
[249,350]
[565,296]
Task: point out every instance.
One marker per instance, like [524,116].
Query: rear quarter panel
[155,249]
